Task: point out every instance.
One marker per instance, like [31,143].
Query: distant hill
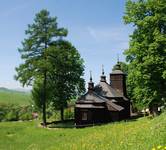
[14,90]
[9,96]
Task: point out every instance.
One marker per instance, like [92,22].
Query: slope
[141,134]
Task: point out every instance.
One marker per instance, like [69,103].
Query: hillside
[141,134]
[8,96]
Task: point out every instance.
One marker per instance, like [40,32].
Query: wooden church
[105,102]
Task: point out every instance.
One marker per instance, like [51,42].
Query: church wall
[118,82]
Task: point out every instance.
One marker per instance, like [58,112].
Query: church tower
[118,80]
[103,77]
[90,84]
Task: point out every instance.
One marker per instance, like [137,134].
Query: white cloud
[100,34]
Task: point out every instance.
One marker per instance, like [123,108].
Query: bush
[69,113]
[11,112]
[8,112]
[11,116]
[26,116]
[2,111]
[25,113]
[2,115]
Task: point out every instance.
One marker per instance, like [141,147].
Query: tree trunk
[44,101]
[62,114]
[154,110]
[44,88]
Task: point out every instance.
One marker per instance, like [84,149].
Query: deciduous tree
[66,75]
[147,52]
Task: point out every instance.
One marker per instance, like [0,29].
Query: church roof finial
[103,77]
[102,69]
[90,84]
[117,58]
[90,76]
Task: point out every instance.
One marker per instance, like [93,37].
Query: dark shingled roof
[92,97]
[113,107]
[88,106]
[100,94]
[104,89]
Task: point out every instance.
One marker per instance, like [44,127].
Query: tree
[37,94]
[36,65]
[66,75]
[147,51]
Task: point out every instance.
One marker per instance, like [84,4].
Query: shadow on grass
[61,124]
[71,124]
[135,116]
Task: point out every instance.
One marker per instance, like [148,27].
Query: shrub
[11,112]
[25,116]
[69,113]
[25,113]
[11,116]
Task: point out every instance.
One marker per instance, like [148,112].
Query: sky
[95,27]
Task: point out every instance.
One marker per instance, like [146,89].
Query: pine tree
[40,34]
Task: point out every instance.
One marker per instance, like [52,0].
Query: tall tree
[37,93]
[66,75]
[39,35]
[147,52]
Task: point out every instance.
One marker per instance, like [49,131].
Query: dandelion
[153,149]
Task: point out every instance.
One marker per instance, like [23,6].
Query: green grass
[14,97]
[142,134]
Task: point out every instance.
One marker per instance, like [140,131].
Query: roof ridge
[114,90]
[105,87]
[100,96]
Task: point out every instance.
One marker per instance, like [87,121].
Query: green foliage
[54,115]
[141,134]
[69,113]
[147,51]
[12,115]
[53,66]
[37,94]
[25,113]
[12,112]
[66,76]
[33,52]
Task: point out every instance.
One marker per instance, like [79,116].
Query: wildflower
[153,149]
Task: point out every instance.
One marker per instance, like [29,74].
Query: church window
[84,115]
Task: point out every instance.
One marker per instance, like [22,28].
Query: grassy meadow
[14,97]
[141,134]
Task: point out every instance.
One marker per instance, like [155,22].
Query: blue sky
[95,28]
